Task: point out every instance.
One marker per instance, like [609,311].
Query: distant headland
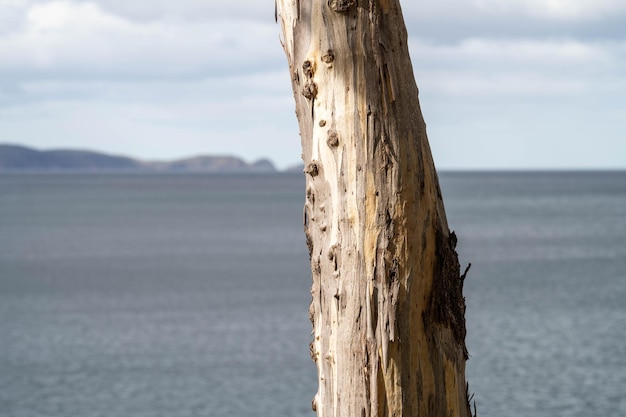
[17,158]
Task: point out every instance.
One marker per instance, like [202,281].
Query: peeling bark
[387,305]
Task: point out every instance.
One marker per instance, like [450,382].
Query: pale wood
[387,305]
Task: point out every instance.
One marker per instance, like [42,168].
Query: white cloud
[504,85]
[540,9]
[159,10]
[62,37]
[11,15]
[555,9]
[519,103]
[190,10]
[454,20]
[500,81]
[487,67]
[515,52]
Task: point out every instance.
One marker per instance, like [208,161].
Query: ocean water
[187,295]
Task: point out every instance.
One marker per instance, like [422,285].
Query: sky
[504,84]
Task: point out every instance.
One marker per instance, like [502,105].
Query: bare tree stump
[387,307]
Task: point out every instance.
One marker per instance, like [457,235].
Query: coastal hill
[21,158]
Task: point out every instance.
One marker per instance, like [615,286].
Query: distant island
[21,158]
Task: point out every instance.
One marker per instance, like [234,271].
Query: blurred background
[510,85]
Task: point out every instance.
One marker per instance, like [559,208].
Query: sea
[186,295]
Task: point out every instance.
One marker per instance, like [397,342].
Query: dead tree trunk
[387,308]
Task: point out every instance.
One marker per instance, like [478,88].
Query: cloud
[520,102]
[454,20]
[498,79]
[554,9]
[66,39]
[488,67]
[261,11]
[580,10]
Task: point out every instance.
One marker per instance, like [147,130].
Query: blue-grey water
[187,295]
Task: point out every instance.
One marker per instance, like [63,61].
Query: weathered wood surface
[387,305]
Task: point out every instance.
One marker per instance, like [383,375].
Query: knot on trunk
[310,90]
[340,6]
[308,69]
[328,57]
[310,195]
[312,169]
[333,139]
